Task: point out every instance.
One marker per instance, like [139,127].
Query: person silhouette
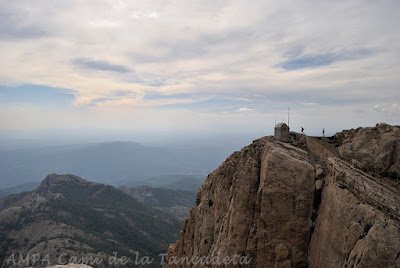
[302,130]
[323,132]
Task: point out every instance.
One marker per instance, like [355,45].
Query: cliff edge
[310,202]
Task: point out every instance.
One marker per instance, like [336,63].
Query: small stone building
[282,132]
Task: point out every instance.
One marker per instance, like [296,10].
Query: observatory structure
[281,132]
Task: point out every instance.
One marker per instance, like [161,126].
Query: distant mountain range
[113,163]
[69,215]
[179,182]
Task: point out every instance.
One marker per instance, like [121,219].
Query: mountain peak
[69,215]
[53,180]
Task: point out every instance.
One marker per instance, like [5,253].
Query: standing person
[302,130]
[323,132]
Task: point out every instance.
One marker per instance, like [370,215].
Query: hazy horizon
[12,138]
[208,68]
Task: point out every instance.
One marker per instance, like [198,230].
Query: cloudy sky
[198,65]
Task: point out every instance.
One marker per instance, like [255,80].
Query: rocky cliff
[358,221]
[311,202]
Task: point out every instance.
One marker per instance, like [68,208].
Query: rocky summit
[307,202]
[70,220]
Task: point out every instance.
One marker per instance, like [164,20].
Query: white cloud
[244,109]
[104,24]
[145,14]
[390,109]
[226,49]
[310,103]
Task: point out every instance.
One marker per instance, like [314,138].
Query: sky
[197,66]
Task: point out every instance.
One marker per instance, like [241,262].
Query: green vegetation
[113,217]
[87,218]
[169,198]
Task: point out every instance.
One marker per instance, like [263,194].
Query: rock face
[299,204]
[358,222]
[373,149]
[257,204]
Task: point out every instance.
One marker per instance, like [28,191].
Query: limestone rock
[376,149]
[257,204]
[281,252]
[310,202]
[358,222]
[319,172]
[319,184]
